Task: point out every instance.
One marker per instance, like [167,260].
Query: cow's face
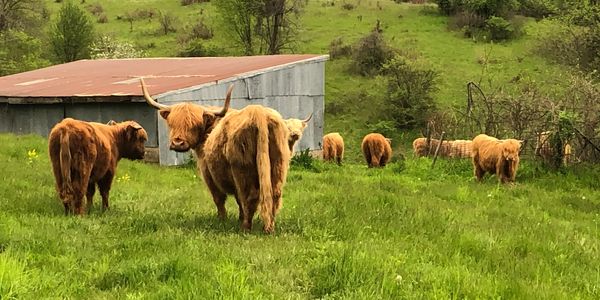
[296,128]
[134,138]
[188,125]
[510,149]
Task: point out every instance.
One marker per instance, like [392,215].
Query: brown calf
[84,154]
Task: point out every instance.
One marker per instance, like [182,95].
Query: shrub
[197,48]
[410,88]
[538,8]
[338,49]
[167,23]
[348,6]
[303,159]
[190,2]
[499,29]
[371,53]
[102,18]
[106,47]
[201,31]
[469,22]
[95,9]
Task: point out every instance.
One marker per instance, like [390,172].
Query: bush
[538,8]
[410,88]
[190,2]
[106,47]
[469,22]
[499,29]
[303,159]
[102,18]
[371,53]
[95,9]
[197,48]
[338,49]
[20,52]
[167,23]
[348,6]
[449,7]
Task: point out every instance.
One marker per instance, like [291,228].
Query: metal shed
[101,90]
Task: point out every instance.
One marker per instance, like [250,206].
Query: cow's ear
[164,113]
[209,119]
[134,126]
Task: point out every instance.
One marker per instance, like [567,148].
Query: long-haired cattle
[333,147]
[452,149]
[244,153]
[500,157]
[84,154]
[377,149]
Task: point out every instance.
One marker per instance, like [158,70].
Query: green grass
[344,232]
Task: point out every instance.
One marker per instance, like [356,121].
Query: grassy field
[344,232]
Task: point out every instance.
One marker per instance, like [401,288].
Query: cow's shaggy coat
[244,153]
[452,149]
[500,157]
[84,154]
[377,149]
[333,147]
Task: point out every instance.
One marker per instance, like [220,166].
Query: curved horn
[149,99]
[227,102]
[307,119]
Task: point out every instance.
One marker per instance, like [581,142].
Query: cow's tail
[65,166]
[263,163]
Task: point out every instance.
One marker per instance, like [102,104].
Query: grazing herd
[245,153]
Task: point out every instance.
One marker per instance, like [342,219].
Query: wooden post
[428,142]
[437,150]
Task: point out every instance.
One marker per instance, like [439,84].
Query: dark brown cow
[377,149]
[84,154]
[243,153]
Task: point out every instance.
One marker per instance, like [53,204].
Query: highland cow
[500,157]
[544,149]
[85,154]
[451,149]
[333,147]
[243,153]
[377,149]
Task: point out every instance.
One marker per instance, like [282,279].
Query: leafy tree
[19,52]
[261,26]
[72,33]
[26,15]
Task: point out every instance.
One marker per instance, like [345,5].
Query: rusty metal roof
[119,77]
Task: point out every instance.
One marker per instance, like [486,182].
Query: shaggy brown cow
[452,149]
[333,147]
[377,149]
[246,154]
[500,157]
[84,154]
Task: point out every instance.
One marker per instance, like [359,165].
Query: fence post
[428,142]
[437,150]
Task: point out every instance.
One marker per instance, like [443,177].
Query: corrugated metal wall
[40,118]
[295,91]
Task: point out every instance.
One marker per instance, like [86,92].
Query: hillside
[347,232]
[350,99]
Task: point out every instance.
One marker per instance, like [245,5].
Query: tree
[19,52]
[22,14]
[261,26]
[72,33]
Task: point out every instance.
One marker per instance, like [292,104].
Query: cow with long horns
[243,153]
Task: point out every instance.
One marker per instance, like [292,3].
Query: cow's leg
[218,196]
[248,194]
[91,190]
[104,185]
[368,157]
[374,161]
[477,170]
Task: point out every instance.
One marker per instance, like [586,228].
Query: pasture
[348,232]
